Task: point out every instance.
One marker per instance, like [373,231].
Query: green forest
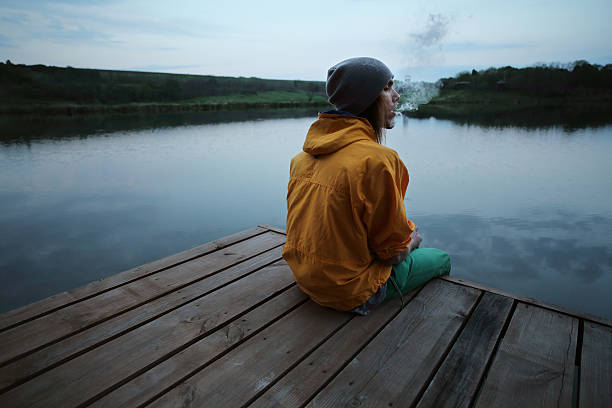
[40,88]
[46,89]
[578,88]
[577,79]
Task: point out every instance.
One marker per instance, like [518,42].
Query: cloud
[73,32]
[6,42]
[503,250]
[99,23]
[10,17]
[43,3]
[49,26]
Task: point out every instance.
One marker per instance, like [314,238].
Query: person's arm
[414,243]
[382,191]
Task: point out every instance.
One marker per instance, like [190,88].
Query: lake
[527,209]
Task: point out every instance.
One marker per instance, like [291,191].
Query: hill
[576,89]
[48,89]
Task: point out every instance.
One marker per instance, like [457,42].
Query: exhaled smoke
[422,52]
[435,31]
[413,94]
[424,45]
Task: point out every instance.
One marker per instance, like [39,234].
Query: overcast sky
[300,40]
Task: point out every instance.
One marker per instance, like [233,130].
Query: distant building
[462,84]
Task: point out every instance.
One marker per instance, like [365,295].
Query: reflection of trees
[571,118]
[24,129]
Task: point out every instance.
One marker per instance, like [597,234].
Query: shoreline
[468,103]
[75,109]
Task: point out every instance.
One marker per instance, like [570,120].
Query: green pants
[420,266]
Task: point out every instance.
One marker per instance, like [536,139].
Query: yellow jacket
[345,212]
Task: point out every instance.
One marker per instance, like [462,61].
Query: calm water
[524,209]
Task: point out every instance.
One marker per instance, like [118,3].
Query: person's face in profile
[388,98]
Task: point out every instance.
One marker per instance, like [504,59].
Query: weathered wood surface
[531,301]
[224,324]
[64,299]
[456,381]
[397,364]
[95,336]
[301,384]
[165,375]
[596,366]
[86,313]
[535,361]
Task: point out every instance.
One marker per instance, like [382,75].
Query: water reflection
[560,259]
[19,129]
[526,210]
[569,118]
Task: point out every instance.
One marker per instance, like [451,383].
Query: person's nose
[396,96]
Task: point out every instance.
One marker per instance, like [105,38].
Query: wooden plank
[275,229]
[23,314]
[125,357]
[531,301]
[300,384]
[55,326]
[255,364]
[535,362]
[32,364]
[164,376]
[456,381]
[397,364]
[596,366]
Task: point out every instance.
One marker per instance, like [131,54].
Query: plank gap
[485,373]
[451,344]
[579,345]
[175,289]
[47,312]
[576,391]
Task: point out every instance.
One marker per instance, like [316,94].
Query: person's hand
[414,244]
[416,239]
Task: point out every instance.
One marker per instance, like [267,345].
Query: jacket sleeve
[389,231]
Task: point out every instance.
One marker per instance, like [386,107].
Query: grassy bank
[578,87]
[262,100]
[458,103]
[55,90]
[490,108]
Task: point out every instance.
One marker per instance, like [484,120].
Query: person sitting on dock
[349,243]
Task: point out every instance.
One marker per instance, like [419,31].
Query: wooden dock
[224,325]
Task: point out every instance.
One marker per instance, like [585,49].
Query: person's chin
[390,122]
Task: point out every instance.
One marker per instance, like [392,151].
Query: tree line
[576,79]
[40,83]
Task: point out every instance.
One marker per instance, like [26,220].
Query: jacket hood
[332,132]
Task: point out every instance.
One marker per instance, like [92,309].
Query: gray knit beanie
[354,84]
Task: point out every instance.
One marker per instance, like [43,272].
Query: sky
[422,40]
